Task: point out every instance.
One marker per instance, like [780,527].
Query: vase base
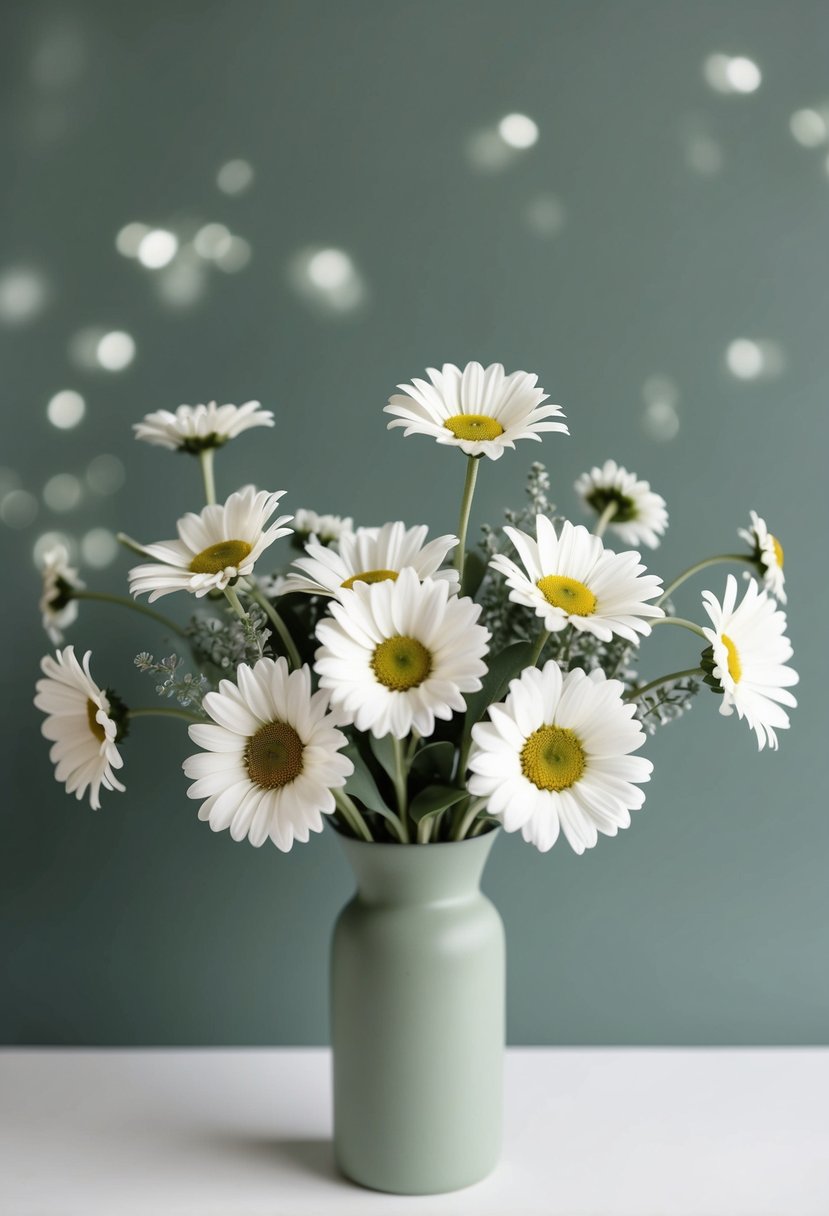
[410,1185]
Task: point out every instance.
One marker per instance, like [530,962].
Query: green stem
[129,543]
[206,460]
[351,815]
[679,620]
[400,787]
[709,561]
[604,519]
[104,597]
[151,711]
[277,622]
[674,675]
[540,644]
[466,508]
[466,821]
[235,603]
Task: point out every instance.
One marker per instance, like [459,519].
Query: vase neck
[418,874]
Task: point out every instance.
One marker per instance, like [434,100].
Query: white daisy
[270,758]
[750,651]
[81,725]
[555,755]
[768,554]
[372,555]
[400,654]
[640,517]
[572,579]
[58,608]
[195,428]
[214,548]
[480,410]
[325,529]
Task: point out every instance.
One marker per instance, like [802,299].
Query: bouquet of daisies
[407,689]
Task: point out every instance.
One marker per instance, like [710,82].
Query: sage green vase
[417,1018]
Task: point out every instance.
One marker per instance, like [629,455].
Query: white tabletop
[247,1133]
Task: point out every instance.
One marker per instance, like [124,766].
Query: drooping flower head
[196,428]
[82,723]
[572,579]
[58,608]
[640,515]
[399,654]
[749,652]
[480,410]
[271,756]
[372,555]
[556,756]
[214,548]
[323,529]
[768,555]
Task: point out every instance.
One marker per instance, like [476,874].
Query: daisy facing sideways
[196,428]
[398,655]
[768,555]
[58,609]
[81,724]
[749,655]
[480,410]
[214,548]
[572,579]
[555,757]
[271,756]
[371,555]
[636,514]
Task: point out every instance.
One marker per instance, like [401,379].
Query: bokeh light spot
[235,177]
[157,248]
[99,548]
[63,492]
[66,409]
[105,474]
[115,351]
[518,130]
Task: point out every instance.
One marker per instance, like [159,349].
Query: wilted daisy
[399,654]
[58,608]
[750,651]
[195,428]
[480,410]
[214,548]
[81,723]
[555,755]
[325,529]
[572,579]
[372,555]
[270,757]
[768,555]
[640,516]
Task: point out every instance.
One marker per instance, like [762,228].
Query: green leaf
[435,760]
[383,752]
[474,569]
[433,799]
[503,667]
[362,786]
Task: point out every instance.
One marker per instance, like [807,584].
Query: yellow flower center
[273,756]
[778,550]
[370,576]
[552,758]
[567,593]
[216,558]
[94,725]
[401,663]
[735,667]
[473,426]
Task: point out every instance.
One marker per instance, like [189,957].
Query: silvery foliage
[187,688]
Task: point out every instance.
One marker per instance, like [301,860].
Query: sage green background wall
[655,221]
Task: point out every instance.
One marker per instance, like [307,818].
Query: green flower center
[274,755]
[601,497]
[370,576]
[568,594]
[473,426]
[94,725]
[401,663]
[735,667]
[218,557]
[553,758]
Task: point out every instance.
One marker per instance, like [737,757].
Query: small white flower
[572,579]
[214,548]
[80,725]
[641,515]
[768,554]
[270,757]
[194,428]
[555,755]
[750,651]
[325,529]
[59,610]
[480,410]
[400,654]
[372,555]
